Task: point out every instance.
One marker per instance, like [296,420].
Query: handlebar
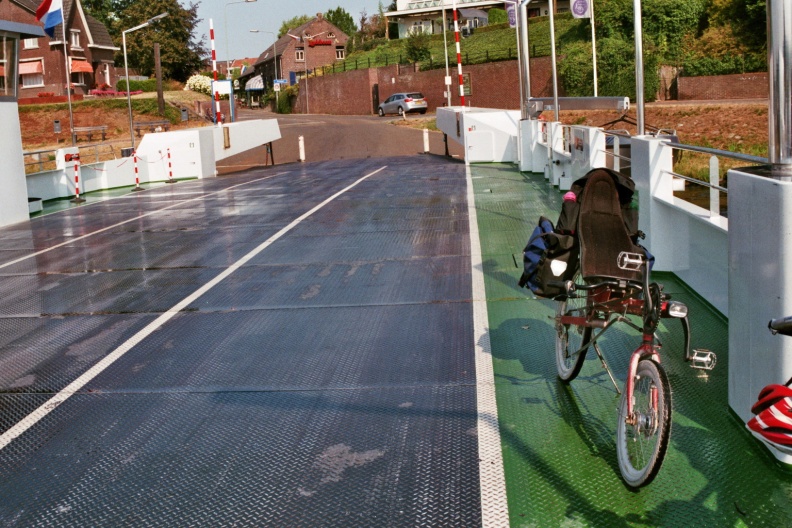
[781,326]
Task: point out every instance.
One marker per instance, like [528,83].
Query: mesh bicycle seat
[601,230]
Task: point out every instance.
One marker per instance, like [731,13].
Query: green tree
[342,20]
[180,54]
[292,23]
[101,10]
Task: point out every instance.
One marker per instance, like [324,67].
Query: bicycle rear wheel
[641,445]
[569,338]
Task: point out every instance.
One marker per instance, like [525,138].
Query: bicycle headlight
[677,309]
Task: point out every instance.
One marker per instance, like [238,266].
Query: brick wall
[493,85]
[738,86]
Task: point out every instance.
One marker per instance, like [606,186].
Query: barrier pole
[170,169]
[137,178]
[77,198]
[301,143]
[459,58]
[218,115]
[426,140]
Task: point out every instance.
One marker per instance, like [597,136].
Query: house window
[299,54]
[78,78]
[75,38]
[331,35]
[30,43]
[340,53]
[31,74]
[8,67]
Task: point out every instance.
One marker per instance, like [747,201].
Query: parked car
[399,103]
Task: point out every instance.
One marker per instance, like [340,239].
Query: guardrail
[44,160]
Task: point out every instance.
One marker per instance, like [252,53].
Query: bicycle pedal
[703,359]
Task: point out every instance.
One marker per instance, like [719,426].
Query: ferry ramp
[332,344]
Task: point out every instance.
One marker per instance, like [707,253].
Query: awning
[28,68]
[256,83]
[78,66]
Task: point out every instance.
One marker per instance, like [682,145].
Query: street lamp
[126,68]
[225,29]
[274,58]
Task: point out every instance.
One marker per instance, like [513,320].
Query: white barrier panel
[14,198]
[487,135]
[760,284]
[684,238]
[193,155]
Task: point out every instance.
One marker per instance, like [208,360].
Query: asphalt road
[329,137]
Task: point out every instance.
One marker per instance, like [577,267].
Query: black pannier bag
[549,259]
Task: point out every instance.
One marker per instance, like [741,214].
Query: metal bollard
[426,140]
[301,142]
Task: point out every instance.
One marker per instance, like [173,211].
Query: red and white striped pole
[459,57]
[137,178]
[170,168]
[77,199]
[218,115]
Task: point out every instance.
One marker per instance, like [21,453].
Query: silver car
[399,103]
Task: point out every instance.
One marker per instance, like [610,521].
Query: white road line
[73,240]
[34,417]
[492,482]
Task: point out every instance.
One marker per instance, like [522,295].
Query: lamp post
[225,30]
[126,68]
[274,58]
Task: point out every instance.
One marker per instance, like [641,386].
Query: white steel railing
[44,160]
[714,182]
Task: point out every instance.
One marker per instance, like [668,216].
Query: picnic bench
[89,131]
[151,126]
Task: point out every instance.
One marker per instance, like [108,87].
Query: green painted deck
[558,440]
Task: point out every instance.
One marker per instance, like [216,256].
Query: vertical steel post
[553,58]
[639,70]
[779,69]
[523,53]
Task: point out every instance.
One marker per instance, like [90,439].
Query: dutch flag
[51,12]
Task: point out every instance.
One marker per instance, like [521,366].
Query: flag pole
[593,45]
[68,81]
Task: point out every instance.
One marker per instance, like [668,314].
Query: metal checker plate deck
[330,381]
[559,440]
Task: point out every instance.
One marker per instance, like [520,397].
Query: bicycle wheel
[569,338]
[641,446]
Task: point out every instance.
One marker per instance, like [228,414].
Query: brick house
[41,61]
[314,44]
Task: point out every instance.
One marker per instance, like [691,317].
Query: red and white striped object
[218,116]
[170,168]
[76,179]
[459,57]
[137,179]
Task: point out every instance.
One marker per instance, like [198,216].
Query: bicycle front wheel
[570,338]
[642,439]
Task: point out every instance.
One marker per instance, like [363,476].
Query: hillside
[36,121]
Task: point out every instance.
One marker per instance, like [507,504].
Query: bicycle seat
[602,232]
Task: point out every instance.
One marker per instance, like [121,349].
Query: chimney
[320,16]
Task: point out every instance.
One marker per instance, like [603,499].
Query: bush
[417,46]
[149,85]
[576,71]
[725,65]
[287,97]
[200,83]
